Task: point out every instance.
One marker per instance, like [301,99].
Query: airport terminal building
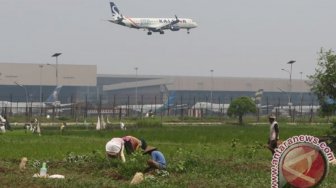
[82,84]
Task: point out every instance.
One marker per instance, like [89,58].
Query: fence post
[267,104]
[127,106]
[114,106]
[155,105]
[11,100]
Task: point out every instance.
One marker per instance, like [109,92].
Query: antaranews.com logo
[300,161]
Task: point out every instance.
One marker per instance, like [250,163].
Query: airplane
[306,109]
[52,101]
[214,107]
[169,101]
[152,24]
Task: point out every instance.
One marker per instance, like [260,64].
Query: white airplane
[52,101]
[152,24]
[284,110]
[169,100]
[214,107]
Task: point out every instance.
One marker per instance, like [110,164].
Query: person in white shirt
[274,133]
[2,124]
[115,148]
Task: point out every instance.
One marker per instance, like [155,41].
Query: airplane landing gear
[149,33]
[188,31]
[161,32]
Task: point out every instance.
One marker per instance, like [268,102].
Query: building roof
[197,83]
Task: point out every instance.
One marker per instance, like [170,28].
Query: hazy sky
[240,38]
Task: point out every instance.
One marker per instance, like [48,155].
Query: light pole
[56,56]
[41,67]
[136,86]
[290,80]
[20,85]
[290,84]
[301,97]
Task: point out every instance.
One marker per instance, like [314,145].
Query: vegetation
[241,106]
[197,156]
[323,82]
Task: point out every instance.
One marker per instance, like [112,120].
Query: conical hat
[149,149]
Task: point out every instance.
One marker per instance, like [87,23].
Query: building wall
[191,89]
[82,82]
[43,74]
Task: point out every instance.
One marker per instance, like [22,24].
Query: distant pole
[290,80]
[136,86]
[290,88]
[301,98]
[26,97]
[56,56]
[290,85]
[211,72]
[41,67]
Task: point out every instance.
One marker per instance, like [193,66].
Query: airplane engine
[174,28]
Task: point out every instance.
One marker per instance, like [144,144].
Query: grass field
[197,156]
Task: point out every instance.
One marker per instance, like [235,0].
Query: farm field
[197,156]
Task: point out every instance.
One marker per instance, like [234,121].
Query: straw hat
[149,149]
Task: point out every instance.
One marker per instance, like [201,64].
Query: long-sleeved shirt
[116,145]
[158,157]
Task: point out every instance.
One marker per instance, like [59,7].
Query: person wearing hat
[115,148]
[274,133]
[132,144]
[157,160]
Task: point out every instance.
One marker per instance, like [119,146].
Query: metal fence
[182,107]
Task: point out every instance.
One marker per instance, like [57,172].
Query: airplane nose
[195,24]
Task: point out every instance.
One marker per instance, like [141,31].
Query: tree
[323,82]
[241,106]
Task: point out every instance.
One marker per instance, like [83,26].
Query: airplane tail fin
[169,100]
[116,16]
[258,96]
[54,95]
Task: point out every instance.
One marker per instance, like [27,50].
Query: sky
[235,38]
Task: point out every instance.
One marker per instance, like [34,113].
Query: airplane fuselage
[151,23]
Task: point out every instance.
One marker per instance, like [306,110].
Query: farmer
[274,133]
[132,144]
[62,127]
[2,124]
[157,160]
[7,124]
[115,148]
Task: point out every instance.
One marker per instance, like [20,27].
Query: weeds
[253,149]
[135,163]
[71,157]
[221,156]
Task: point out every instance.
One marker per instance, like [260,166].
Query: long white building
[81,82]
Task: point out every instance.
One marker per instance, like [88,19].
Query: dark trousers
[272,144]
